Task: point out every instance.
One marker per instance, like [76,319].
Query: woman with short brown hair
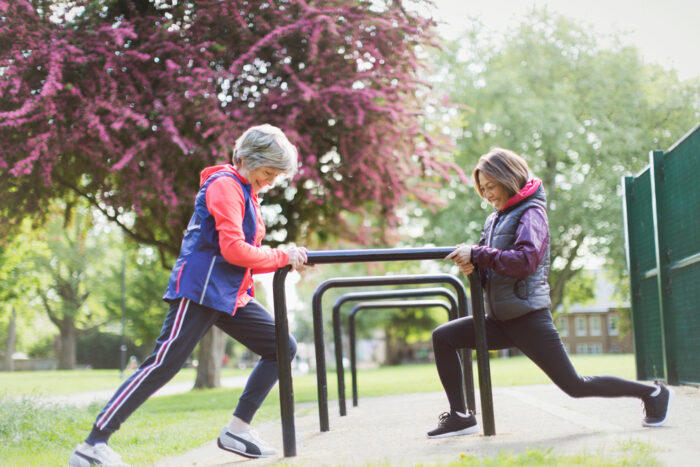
[513,260]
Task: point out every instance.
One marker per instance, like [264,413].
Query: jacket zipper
[206,282]
[489,289]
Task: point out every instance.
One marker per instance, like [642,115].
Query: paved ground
[391,430]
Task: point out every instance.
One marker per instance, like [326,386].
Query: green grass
[513,371]
[31,434]
[628,453]
[64,382]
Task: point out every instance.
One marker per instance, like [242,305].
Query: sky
[667,32]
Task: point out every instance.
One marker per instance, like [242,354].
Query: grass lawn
[171,425]
[63,382]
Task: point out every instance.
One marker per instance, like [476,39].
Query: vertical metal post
[633,269]
[353,358]
[321,382]
[482,353]
[340,371]
[663,253]
[284,363]
[465,357]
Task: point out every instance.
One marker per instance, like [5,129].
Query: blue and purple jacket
[222,246]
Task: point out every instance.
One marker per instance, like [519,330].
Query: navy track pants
[184,326]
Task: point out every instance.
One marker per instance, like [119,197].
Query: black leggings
[535,335]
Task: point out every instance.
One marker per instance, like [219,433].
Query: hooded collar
[209,171]
[525,192]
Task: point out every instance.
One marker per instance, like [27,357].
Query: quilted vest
[507,297]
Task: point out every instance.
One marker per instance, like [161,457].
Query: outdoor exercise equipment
[386,294]
[366,281]
[382,305]
[354,256]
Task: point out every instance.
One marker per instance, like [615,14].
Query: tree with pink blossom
[123,102]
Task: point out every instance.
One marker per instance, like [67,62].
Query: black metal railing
[382,305]
[373,281]
[387,294]
[379,255]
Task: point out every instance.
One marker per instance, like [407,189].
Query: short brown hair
[506,167]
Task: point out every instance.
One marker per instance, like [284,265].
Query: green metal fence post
[633,268]
[663,259]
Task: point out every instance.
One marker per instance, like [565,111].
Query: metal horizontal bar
[379,254]
[651,273]
[400,304]
[687,261]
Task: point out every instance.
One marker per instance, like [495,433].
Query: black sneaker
[454,424]
[656,408]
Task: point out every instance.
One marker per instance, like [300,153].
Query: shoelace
[257,438]
[443,417]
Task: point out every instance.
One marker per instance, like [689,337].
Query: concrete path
[391,430]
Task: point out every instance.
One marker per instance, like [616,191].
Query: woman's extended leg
[184,326]
[535,335]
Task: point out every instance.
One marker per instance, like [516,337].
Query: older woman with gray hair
[211,284]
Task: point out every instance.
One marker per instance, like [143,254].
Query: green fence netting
[662,210]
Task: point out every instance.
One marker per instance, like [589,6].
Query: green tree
[582,116]
[144,282]
[68,258]
[15,281]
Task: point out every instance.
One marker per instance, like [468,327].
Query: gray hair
[265,146]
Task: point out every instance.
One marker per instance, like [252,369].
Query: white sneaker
[86,455]
[246,444]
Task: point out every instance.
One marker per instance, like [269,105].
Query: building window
[563,325]
[580,325]
[589,348]
[613,325]
[595,325]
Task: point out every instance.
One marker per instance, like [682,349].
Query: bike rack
[367,281]
[376,306]
[357,256]
[402,293]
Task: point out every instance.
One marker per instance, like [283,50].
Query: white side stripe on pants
[174,333]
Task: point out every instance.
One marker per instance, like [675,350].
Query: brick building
[591,330]
[595,327]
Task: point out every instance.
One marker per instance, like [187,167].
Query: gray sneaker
[86,455]
[246,444]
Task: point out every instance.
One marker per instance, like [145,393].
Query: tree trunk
[11,341]
[395,347]
[66,353]
[211,353]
